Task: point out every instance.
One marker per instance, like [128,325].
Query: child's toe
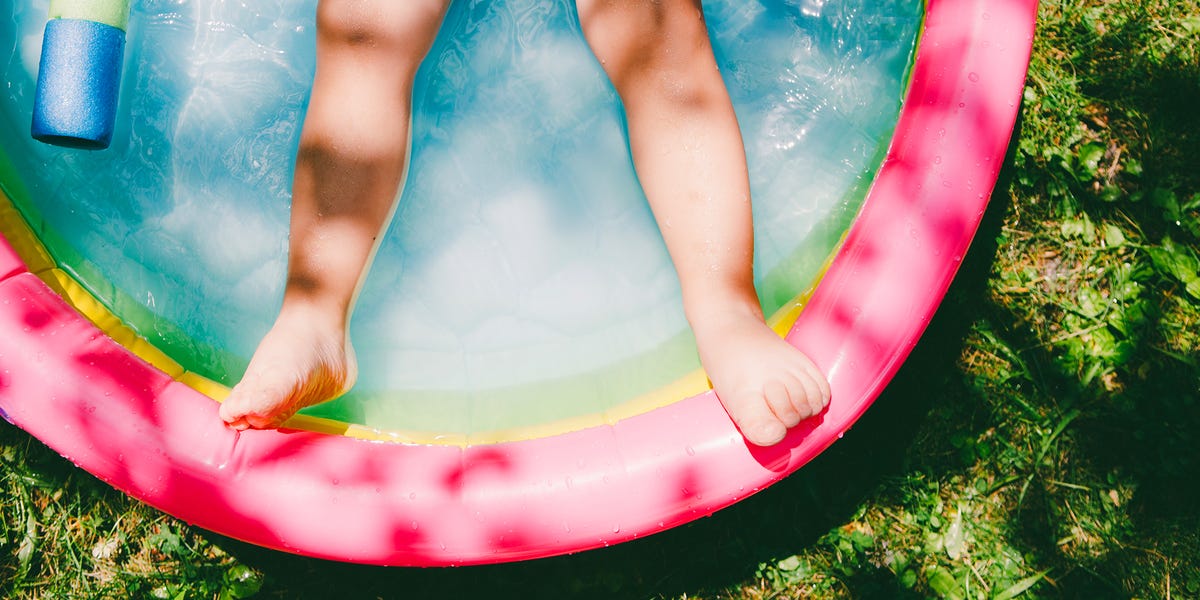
[782,400]
[767,432]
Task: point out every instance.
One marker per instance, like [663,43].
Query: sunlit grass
[65,534]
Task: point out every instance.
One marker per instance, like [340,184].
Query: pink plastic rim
[333,497]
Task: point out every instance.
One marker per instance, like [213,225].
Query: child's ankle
[716,308]
[325,315]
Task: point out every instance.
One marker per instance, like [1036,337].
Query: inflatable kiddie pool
[529,386]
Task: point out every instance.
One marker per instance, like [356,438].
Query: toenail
[770,433]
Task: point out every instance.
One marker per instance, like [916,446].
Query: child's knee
[405,28]
[632,38]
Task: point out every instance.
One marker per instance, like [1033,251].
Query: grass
[1042,441]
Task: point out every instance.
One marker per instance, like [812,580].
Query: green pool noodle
[109,12]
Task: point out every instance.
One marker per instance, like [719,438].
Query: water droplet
[973,76]
[937,160]
[616,529]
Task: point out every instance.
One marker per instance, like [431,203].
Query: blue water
[523,273]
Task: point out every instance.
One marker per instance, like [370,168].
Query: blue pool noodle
[78,82]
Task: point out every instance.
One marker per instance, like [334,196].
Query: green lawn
[1042,441]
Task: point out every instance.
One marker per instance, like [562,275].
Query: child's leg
[688,153]
[349,169]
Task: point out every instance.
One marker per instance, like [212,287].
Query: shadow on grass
[1150,428]
[1127,517]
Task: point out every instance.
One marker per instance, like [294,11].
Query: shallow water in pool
[523,279]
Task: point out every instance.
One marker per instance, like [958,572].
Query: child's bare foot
[302,361]
[766,385]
